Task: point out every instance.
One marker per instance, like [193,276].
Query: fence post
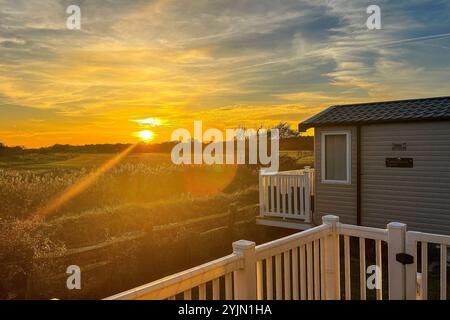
[332,272]
[245,278]
[396,270]
[261,193]
[411,269]
[307,195]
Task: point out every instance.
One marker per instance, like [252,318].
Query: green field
[102,225]
[43,162]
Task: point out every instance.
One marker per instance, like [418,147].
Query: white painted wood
[302,199]
[363,232]
[295,270]
[278,193]
[272,248]
[396,270]
[202,291]
[245,278]
[307,196]
[322,268]
[290,195]
[259,280]
[228,287]
[216,289]
[424,286]
[316,270]
[287,276]
[295,186]
[443,277]
[261,194]
[411,269]
[272,193]
[347,278]
[269,278]
[303,272]
[362,269]
[180,282]
[306,267]
[278,283]
[286,194]
[379,265]
[332,258]
[266,193]
[283,190]
[309,266]
[187,295]
[412,239]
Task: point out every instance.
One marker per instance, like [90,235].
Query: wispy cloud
[227,63]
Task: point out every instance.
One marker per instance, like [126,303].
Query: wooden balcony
[307,266]
[286,198]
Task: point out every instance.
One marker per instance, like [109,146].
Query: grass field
[139,193]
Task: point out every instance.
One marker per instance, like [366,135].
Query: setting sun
[146,135]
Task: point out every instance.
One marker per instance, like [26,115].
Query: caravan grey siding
[338,199]
[418,196]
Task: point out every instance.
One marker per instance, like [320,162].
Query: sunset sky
[227,62]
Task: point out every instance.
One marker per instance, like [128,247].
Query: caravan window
[336,157]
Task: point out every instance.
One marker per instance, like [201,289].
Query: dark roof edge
[302,124]
[306,124]
[302,127]
[390,101]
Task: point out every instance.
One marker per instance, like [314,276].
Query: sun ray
[81,185]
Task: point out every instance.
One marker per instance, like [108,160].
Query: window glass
[336,157]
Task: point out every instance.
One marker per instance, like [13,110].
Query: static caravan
[382,162]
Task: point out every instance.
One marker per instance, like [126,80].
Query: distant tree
[286,131]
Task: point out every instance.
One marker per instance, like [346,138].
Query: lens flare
[81,185]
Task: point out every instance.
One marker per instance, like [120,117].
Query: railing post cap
[330,219]
[396,225]
[242,245]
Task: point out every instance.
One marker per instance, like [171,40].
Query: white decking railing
[418,245]
[286,194]
[307,266]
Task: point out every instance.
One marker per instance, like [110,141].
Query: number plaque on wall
[399,162]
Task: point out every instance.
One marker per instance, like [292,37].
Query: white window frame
[348,135]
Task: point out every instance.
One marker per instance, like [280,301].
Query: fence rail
[195,279]
[308,266]
[418,245]
[286,194]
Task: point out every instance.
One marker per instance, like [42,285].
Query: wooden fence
[307,266]
[286,194]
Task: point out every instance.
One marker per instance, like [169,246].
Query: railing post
[307,195]
[332,271]
[245,278]
[411,269]
[396,270]
[261,193]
